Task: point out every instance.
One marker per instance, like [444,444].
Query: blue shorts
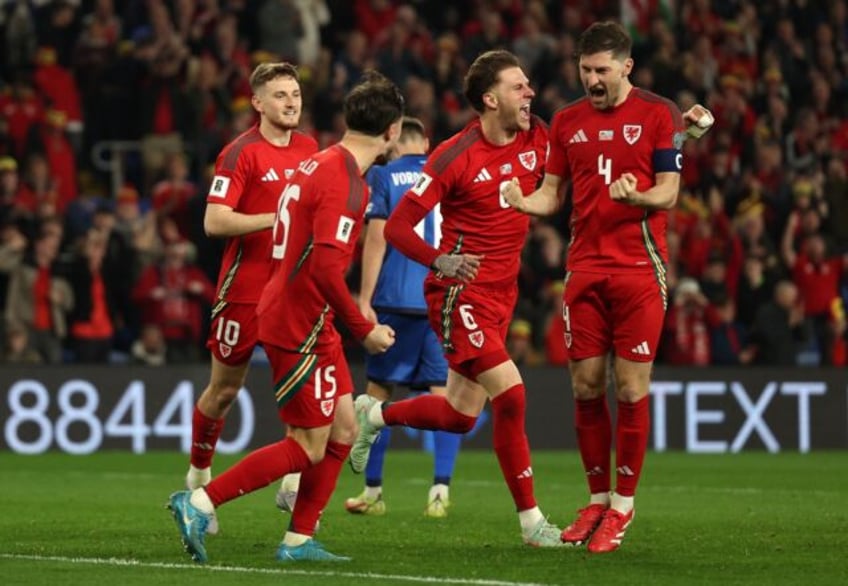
[416,359]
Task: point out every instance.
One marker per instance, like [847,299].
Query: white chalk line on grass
[118,562]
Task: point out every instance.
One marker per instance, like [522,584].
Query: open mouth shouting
[598,94]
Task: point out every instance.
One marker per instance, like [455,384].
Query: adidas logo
[271,175]
[482,176]
[528,473]
[642,349]
[625,471]
[596,471]
[579,136]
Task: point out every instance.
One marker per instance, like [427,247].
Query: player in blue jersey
[392,293]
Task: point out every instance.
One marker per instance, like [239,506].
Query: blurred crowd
[94,270]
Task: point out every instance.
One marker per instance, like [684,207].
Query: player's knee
[511,404]
[223,395]
[315,453]
[630,391]
[585,389]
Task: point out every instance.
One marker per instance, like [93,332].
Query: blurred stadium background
[111,115]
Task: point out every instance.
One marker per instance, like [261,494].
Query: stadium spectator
[16,347]
[150,348]
[37,295]
[728,338]
[12,199]
[172,194]
[174,293]
[817,274]
[780,332]
[49,140]
[39,194]
[22,108]
[91,321]
[686,330]
[58,85]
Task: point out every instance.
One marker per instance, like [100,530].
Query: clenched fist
[624,188]
[380,339]
[511,194]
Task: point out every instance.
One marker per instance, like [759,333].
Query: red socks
[316,486]
[258,469]
[594,438]
[511,446]
[632,429]
[427,412]
[205,432]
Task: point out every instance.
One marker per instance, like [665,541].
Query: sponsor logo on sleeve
[422,184]
[219,187]
[344,230]
[678,139]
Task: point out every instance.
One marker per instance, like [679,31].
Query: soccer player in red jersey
[620,147]
[250,175]
[319,218]
[480,232]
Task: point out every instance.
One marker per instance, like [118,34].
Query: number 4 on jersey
[605,168]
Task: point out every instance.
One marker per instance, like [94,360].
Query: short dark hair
[605,36]
[374,104]
[412,128]
[483,74]
[266,72]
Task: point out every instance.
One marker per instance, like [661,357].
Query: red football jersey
[324,204]
[250,175]
[464,175]
[642,136]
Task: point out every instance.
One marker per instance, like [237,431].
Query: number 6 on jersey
[281,225]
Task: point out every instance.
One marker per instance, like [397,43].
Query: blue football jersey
[400,286]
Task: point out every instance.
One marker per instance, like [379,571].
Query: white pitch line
[272,571]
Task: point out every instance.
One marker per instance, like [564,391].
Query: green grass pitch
[751,518]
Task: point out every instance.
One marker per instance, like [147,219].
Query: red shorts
[622,311]
[307,386]
[470,320]
[233,333]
